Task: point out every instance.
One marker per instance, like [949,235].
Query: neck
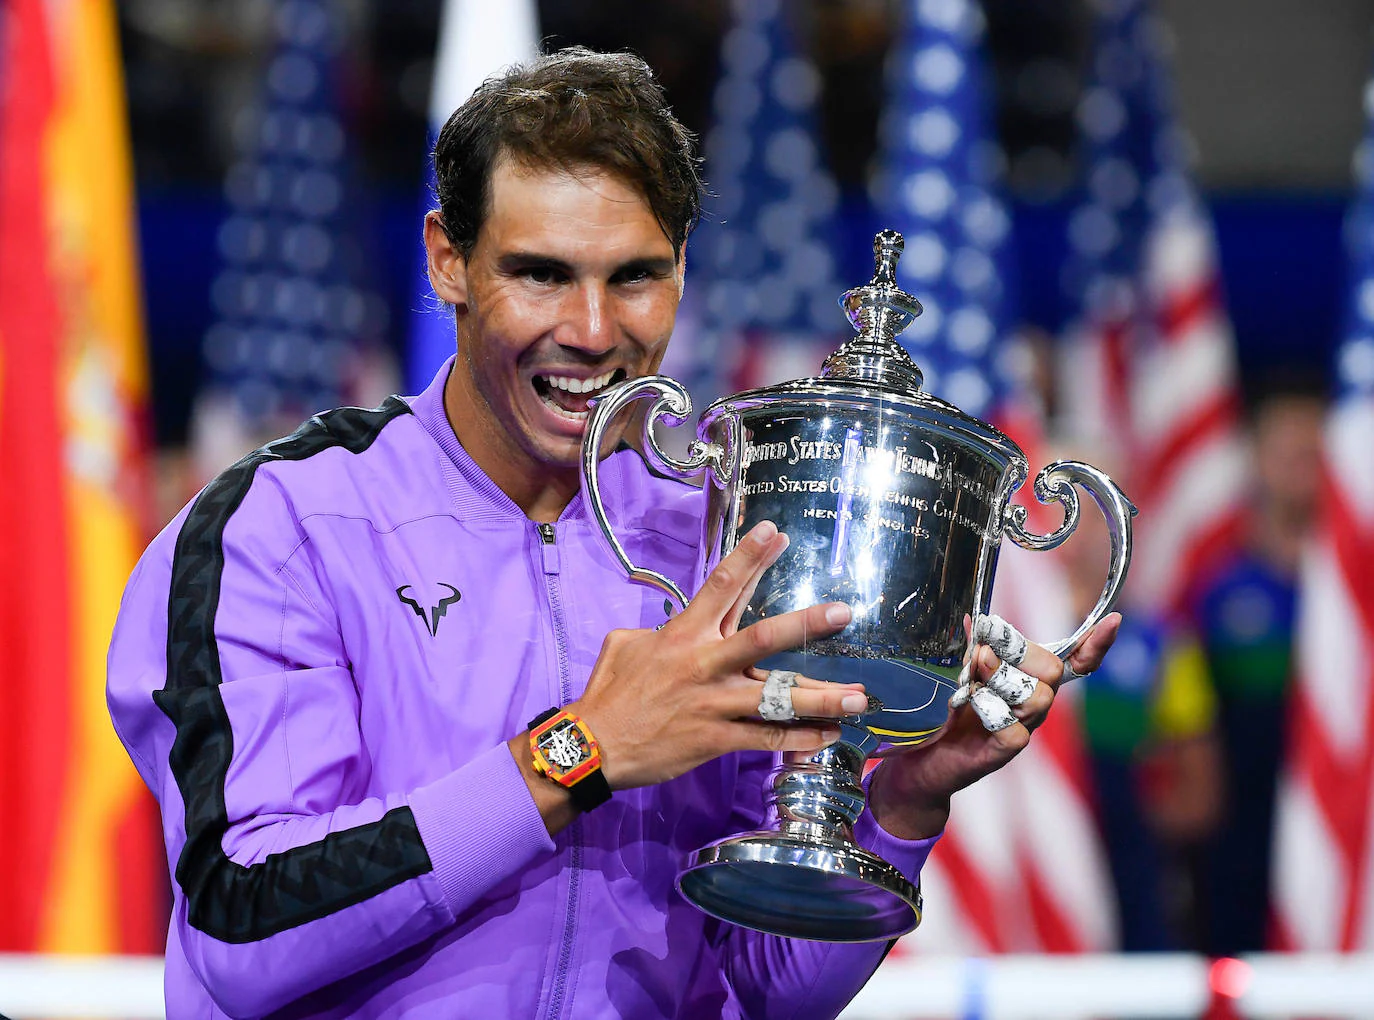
[541,496]
[1277,535]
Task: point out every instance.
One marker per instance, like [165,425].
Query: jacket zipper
[552,582]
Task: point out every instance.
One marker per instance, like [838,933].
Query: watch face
[565,746]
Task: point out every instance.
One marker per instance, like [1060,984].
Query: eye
[635,274]
[543,275]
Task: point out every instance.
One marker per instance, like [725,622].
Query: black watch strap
[542,717]
[591,791]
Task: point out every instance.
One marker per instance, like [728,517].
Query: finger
[1035,709]
[810,699]
[992,711]
[731,622]
[777,634]
[806,681]
[1093,648]
[1011,685]
[1004,639]
[828,704]
[982,663]
[760,674]
[756,735]
[724,584]
[1042,664]
[1012,647]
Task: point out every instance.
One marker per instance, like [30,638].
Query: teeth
[562,382]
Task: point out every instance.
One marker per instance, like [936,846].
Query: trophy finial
[880,310]
[887,249]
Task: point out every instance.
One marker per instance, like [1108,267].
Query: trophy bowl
[895,503]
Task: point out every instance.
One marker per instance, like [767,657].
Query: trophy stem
[806,878]
[819,794]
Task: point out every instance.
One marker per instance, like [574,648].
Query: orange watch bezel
[544,767]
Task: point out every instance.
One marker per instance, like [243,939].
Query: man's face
[1288,452]
[571,287]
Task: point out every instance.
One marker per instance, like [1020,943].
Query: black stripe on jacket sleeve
[229,901]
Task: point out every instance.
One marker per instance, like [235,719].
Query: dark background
[1271,91]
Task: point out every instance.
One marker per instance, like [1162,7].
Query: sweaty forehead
[533,208]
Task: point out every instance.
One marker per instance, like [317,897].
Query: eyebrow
[520,259]
[660,265]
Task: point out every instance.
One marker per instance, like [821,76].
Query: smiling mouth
[568,396]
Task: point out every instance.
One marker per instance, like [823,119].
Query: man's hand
[910,793]
[663,702]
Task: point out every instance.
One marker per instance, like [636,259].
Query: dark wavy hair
[569,109]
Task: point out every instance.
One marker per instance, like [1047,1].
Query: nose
[589,324]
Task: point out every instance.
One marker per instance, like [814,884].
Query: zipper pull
[549,538]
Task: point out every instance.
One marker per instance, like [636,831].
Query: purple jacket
[315,669]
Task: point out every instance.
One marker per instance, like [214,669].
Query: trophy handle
[672,405]
[1056,482]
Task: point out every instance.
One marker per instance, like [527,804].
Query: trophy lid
[871,368]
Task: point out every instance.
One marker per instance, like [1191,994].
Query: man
[328,667]
[1245,613]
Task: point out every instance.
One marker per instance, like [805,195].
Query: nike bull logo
[430,616]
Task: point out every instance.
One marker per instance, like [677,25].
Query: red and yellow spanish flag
[80,867]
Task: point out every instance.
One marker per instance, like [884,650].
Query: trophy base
[803,888]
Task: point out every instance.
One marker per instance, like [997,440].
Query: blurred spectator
[1148,714]
[1148,717]
[1245,616]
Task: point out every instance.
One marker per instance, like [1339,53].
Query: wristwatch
[564,749]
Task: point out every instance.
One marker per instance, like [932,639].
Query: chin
[559,454]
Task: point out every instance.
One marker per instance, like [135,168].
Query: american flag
[762,275]
[1324,870]
[1150,369]
[295,318]
[477,39]
[937,187]
[1025,835]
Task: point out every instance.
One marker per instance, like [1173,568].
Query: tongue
[575,402]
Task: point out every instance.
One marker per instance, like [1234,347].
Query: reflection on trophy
[896,503]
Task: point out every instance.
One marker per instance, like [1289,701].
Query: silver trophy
[896,503]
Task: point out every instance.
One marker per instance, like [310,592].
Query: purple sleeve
[777,978]
[229,687]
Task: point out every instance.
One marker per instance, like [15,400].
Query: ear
[681,269]
[447,267]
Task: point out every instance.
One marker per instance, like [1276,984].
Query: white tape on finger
[775,703]
[1011,684]
[960,696]
[992,710]
[1005,640]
